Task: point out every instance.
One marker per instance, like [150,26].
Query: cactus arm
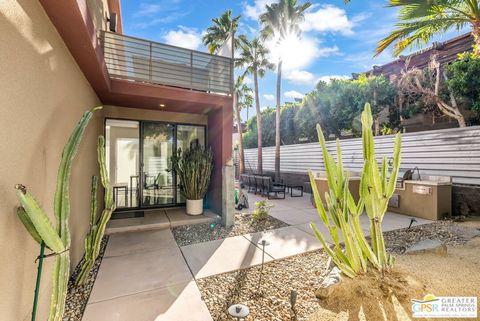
[39,219]
[341,264]
[318,201]
[97,229]
[23,216]
[93,198]
[327,160]
[62,192]
[60,284]
[396,166]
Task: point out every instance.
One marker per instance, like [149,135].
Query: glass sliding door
[157,148]
[187,136]
[122,154]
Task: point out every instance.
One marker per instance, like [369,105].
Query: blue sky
[337,39]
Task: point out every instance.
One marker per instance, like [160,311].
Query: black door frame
[139,206]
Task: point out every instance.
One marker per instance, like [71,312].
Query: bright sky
[337,39]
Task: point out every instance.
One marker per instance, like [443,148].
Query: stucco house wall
[43,95]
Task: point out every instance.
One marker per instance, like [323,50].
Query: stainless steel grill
[152,62]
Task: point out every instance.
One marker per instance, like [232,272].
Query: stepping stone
[428,246]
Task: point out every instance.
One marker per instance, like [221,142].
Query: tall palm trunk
[259,126]
[476,36]
[240,138]
[277,123]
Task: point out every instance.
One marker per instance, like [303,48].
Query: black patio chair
[251,183]
[273,188]
[259,188]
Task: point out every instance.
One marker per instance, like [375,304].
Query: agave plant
[41,228]
[343,217]
[97,226]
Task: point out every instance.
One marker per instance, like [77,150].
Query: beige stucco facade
[43,95]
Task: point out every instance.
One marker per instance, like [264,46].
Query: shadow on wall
[43,95]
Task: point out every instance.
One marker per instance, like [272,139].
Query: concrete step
[159,220]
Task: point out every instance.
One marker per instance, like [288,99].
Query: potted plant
[193,167]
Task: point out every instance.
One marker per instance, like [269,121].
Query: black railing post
[191,70]
[150,63]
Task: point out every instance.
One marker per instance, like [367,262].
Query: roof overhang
[74,23]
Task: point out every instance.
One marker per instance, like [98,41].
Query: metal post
[37,283]
[191,70]
[150,62]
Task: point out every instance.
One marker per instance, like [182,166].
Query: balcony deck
[151,62]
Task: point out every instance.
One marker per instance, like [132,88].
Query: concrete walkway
[145,276]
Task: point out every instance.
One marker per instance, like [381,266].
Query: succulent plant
[343,216]
[41,228]
[97,227]
[193,167]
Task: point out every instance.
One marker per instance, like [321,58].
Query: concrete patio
[146,276]
[158,219]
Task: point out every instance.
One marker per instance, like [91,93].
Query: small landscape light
[239,311]
[412,219]
[161,105]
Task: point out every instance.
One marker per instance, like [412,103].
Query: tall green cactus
[343,217]
[97,227]
[40,226]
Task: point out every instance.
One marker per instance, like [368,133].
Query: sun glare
[294,51]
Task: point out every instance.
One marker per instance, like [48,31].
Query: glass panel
[157,150]
[187,136]
[122,158]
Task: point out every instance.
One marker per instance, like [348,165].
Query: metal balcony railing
[152,62]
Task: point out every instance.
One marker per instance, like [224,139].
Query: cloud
[328,18]
[298,52]
[293,94]
[184,37]
[258,7]
[163,12]
[247,80]
[329,78]
[269,96]
[148,9]
[301,77]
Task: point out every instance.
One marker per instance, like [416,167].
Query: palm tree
[281,20]
[243,98]
[420,20]
[220,30]
[253,57]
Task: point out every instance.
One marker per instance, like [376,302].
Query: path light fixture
[263,243]
[239,311]
[412,220]
[293,300]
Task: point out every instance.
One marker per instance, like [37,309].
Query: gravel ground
[451,233]
[272,300]
[77,297]
[304,273]
[244,224]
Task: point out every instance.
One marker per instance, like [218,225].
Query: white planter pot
[195,207]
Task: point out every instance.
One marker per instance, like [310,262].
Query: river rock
[329,283]
[428,246]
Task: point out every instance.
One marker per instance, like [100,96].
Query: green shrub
[261,210]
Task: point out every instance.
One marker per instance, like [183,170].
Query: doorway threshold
[159,219]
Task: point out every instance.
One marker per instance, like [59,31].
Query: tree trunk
[277,123]
[240,138]
[476,37]
[259,126]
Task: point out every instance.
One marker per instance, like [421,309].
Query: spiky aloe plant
[97,227]
[343,217]
[41,227]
